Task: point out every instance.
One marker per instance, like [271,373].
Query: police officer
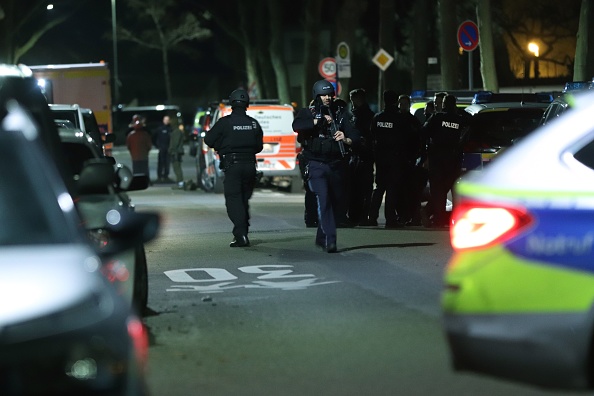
[362,162]
[326,137]
[237,138]
[445,131]
[396,146]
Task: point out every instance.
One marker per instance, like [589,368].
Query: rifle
[334,129]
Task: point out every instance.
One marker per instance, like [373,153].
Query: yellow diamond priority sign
[382,59]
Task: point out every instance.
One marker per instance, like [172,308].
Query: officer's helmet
[323,87]
[239,97]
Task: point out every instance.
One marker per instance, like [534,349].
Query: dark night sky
[85,37]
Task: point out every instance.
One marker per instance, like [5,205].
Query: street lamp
[533,47]
[116,80]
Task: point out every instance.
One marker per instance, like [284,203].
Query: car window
[66,115]
[90,123]
[586,155]
[501,128]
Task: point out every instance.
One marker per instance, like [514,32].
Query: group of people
[344,154]
[353,161]
[168,140]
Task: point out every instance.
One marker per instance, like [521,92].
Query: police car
[518,301]
[498,120]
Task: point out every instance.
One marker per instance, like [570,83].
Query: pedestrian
[176,152]
[325,138]
[162,141]
[237,138]
[362,161]
[139,145]
[409,194]
[429,109]
[438,101]
[396,146]
[445,132]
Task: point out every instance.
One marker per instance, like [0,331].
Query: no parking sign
[468,36]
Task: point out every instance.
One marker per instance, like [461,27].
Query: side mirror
[95,176]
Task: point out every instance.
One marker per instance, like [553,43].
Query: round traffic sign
[468,36]
[327,68]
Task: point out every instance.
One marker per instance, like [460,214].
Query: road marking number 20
[217,280]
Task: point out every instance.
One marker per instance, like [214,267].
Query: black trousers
[163,164]
[326,180]
[240,178]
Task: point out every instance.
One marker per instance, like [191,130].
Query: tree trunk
[448,46]
[276,51]
[347,23]
[313,20]
[386,42]
[584,64]
[488,69]
[419,40]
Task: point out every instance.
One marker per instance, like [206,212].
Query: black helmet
[239,97]
[323,87]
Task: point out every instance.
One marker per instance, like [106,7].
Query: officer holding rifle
[326,135]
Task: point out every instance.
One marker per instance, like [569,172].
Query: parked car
[518,301]
[64,328]
[562,102]
[83,119]
[497,125]
[277,161]
[128,270]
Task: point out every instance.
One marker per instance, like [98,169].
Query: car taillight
[139,336]
[115,271]
[478,225]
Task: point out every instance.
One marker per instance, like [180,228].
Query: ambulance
[278,159]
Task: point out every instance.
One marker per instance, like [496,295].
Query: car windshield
[66,116]
[501,128]
[29,209]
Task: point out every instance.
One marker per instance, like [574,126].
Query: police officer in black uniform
[326,138]
[237,138]
[396,146]
[445,131]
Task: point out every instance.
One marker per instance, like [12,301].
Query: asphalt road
[285,318]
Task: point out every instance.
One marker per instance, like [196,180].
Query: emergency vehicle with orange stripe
[278,159]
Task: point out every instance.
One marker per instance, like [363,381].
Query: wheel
[219,187]
[140,293]
[296,185]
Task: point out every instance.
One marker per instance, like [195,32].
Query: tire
[219,187]
[296,185]
[140,293]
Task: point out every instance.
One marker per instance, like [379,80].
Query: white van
[277,161]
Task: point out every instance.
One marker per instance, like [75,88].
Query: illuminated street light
[533,47]
[50,7]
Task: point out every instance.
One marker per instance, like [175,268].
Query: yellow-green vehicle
[518,301]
